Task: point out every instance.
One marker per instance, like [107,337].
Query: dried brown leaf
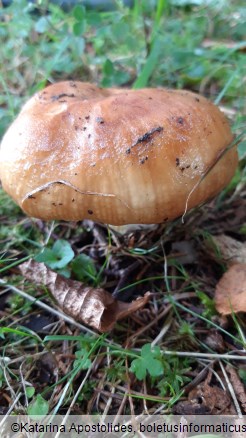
[204,399]
[215,399]
[92,306]
[230,294]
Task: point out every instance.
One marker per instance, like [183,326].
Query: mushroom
[115,156]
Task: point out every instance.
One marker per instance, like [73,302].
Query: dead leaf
[215,341]
[230,293]
[92,306]
[204,400]
[238,386]
[215,399]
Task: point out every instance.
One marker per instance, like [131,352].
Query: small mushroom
[115,156]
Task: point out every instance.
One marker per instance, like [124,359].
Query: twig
[10,409]
[231,390]
[76,395]
[198,355]
[162,333]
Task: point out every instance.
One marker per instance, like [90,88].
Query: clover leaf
[58,256]
[148,362]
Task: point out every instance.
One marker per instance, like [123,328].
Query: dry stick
[108,404]
[217,377]
[232,392]
[154,321]
[122,405]
[110,399]
[162,333]
[76,396]
[10,409]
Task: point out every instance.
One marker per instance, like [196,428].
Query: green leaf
[83,267]
[30,390]
[148,362]
[79,28]
[82,360]
[138,368]
[108,67]
[42,25]
[47,256]
[242,150]
[150,64]
[79,12]
[38,407]
[65,272]
[242,375]
[58,257]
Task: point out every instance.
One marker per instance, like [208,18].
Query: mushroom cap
[115,156]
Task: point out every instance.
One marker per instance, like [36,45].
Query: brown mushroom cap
[115,156]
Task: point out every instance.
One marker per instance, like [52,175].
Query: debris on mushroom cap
[116,156]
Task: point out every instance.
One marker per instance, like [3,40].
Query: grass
[152,360]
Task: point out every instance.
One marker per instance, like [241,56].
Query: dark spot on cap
[60,203]
[180,120]
[87,117]
[196,167]
[99,120]
[90,211]
[148,135]
[75,174]
[60,96]
[128,151]
[188,166]
[73,200]
[182,169]
[197,99]
[53,203]
[31,197]
[165,219]
[142,161]
[89,135]
[177,162]
[76,128]
[84,128]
